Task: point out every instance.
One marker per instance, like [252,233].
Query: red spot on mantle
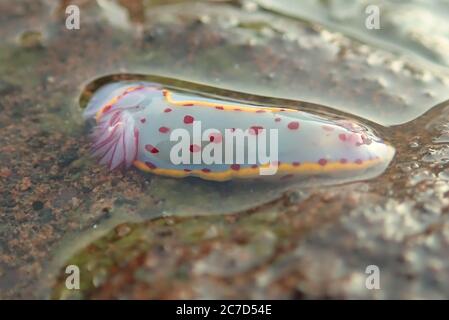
[235,167]
[322,162]
[151,148]
[150,165]
[188,119]
[255,130]
[215,137]
[194,148]
[294,125]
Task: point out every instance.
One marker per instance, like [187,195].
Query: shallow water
[236,194]
[129,232]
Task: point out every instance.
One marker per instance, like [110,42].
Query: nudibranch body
[142,124]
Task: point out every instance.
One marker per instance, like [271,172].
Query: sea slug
[180,134]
